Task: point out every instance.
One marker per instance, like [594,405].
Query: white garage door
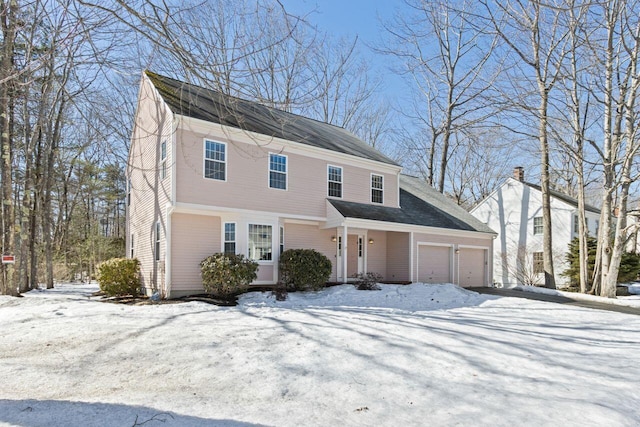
[472,267]
[434,264]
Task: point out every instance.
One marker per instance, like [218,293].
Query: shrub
[304,269]
[367,281]
[629,264]
[226,275]
[119,276]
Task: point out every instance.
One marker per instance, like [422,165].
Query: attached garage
[434,263]
[472,264]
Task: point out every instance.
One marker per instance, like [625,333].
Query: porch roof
[419,205]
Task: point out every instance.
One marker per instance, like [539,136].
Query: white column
[344,253]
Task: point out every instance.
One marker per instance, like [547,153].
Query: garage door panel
[434,264]
[472,267]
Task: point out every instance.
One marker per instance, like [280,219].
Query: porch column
[344,254]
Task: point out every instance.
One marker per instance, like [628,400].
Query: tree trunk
[8,15]
[547,244]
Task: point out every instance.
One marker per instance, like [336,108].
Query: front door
[355,255]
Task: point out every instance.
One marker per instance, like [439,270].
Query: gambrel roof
[205,104]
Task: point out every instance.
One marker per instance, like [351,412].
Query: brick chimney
[518,173]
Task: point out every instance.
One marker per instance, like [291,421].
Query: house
[514,210]
[212,173]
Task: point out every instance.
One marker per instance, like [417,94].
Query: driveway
[517,293]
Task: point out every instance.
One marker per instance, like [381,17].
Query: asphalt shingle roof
[420,204]
[197,102]
[564,197]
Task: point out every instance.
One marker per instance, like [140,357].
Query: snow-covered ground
[405,355]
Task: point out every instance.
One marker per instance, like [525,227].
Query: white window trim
[341,181]
[157,242]
[281,247]
[273,252]
[163,160]
[224,235]
[371,188]
[204,159]
[132,246]
[541,226]
[286,172]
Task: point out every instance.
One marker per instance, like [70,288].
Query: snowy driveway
[406,355]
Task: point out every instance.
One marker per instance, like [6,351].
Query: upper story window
[215,160]
[334,181]
[129,192]
[278,171]
[163,160]
[597,226]
[576,224]
[537,225]
[377,187]
[230,238]
[260,242]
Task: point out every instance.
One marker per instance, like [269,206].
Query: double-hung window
[278,171]
[131,244]
[157,245]
[163,160]
[229,238]
[538,263]
[537,225]
[260,242]
[334,181]
[576,224]
[215,160]
[377,187]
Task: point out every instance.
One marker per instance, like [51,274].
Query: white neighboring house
[514,210]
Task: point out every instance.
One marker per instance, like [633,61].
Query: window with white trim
[377,187]
[157,245]
[260,241]
[277,171]
[163,160]
[576,224]
[215,160]
[131,244]
[230,238]
[334,181]
[281,240]
[538,263]
[129,192]
[537,225]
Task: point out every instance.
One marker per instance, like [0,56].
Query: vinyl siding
[398,256]
[376,252]
[193,238]
[247,184]
[149,193]
[302,236]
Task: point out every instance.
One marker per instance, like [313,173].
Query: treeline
[552,85]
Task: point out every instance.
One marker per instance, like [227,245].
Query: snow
[405,355]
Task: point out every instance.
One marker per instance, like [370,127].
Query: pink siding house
[211,173]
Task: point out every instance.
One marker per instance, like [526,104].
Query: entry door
[355,255]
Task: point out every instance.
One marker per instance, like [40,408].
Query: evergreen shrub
[225,275]
[119,276]
[304,269]
[629,264]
